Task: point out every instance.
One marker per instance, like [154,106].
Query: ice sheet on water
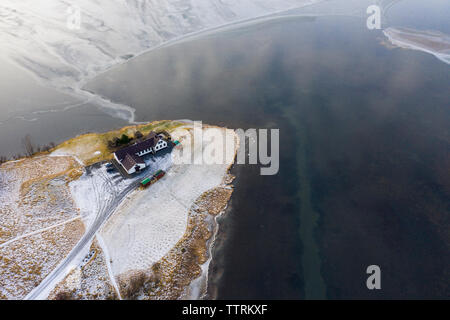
[433,42]
[36,34]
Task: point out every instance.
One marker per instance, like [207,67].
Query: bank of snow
[432,42]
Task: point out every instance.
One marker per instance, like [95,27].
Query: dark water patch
[364,129]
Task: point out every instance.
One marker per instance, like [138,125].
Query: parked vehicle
[154,178]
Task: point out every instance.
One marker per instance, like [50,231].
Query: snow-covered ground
[96,187]
[34,195]
[39,222]
[147,223]
[151,222]
[39,37]
[28,260]
[89,281]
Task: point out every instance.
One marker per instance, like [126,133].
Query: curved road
[104,212]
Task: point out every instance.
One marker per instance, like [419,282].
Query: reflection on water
[364,152]
[417,14]
[27,107]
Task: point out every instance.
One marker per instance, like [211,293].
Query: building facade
[130,157]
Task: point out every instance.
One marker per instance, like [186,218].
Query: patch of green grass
[86,146]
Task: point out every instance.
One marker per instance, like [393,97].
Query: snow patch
[432,42]
[35,35]
[149,224]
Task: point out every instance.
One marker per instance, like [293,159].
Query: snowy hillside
[38,35]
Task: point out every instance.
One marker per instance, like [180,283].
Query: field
[151,247]
[93,147]
[26,262]
[34,195]
[87,282]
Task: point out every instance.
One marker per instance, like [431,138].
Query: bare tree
[28,145]
[138,135]
[111,144]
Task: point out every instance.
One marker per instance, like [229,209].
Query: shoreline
[80,153]
[199,33]
[188,275]
[203,280]
[195,228]
[76,87]
[423,41]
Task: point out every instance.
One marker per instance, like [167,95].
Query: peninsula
[82,221]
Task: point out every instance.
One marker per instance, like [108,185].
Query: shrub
[124,139]
[138,135]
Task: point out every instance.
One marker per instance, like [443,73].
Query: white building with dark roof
[130,157]
[133,163]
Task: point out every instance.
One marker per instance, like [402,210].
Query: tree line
[30,149]
[124,140]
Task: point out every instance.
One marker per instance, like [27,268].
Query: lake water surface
[364,154]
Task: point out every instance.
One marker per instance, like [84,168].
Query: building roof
[151,141]
[131,160]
